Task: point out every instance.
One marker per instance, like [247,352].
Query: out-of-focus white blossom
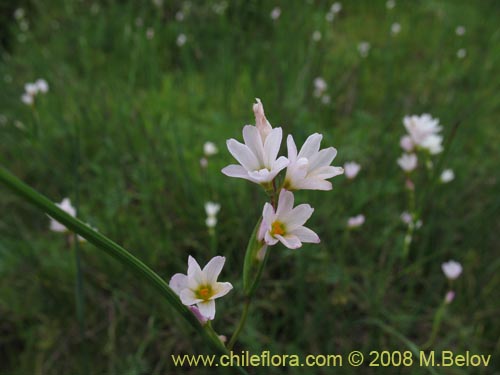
[356,221]
[181,40]
[449,297]
[209,148]
[275,13]
[406,143]
[316,36]
[211,209]
[330,16]
[451,269]
[408,162]
[461,53]
[406,217]
[423,131]
[27,99]
[325,99]
[446,176]
[179,16]
[320,86]
[364,48]
[150,33]
[31,89]
[390,4]
[19,13]
[351,169]
[395,28]
[67,207]
[336,7]
[460,30]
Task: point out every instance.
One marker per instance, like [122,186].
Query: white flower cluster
[211,209]
[32,89]
[57,227]
[307,169]
[334,10]
[320,87]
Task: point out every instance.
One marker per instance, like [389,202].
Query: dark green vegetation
[121,133]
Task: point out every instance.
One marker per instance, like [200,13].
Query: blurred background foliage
[121,133]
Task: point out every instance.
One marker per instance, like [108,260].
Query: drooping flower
[258,155]
[310,168]
[447,176]
[356,221]
[210,149]
[351,169]
[286,223]
[408,162]
[451,269]
[67,207]
[200,287]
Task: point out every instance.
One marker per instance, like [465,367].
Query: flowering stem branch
[438,317]
[241,323]
[111,248]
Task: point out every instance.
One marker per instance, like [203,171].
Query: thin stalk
[111,248]
[241,324]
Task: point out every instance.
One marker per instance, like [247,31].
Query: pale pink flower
[451,269]
[42,85]
[406,143]
[449,297]
[351,169]
[447,176]
[356,221]
[285,224]
[200,287]
[423,131]
[210,149]
[408,162]
[310,168]
[275,13]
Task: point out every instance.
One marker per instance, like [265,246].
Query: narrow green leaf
[251,263]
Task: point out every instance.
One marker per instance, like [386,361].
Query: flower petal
[188,297]
[322,158]
[253,140]
[291,241]
[292,148]
[213,269]
[235,170]
[221,289]
[194,274]
[306,235]
[207,309]
[272,146]
[285,203]
[178,282]
[243,155]
[311,146]
[298,216]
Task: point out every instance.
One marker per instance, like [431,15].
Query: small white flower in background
[330,16]
[209,149]
[351,169]
[67,207]
[257,157]
[275,13]
[447,176]
[150,33]
[203,162]
[461,53]
[406,217]
[408,162]
[325,99]
[158,3]
[19,13]
[18,124]
[460,30]
[286,223]
[406,143]
[320,86]
[179,16]
[200,287]
[310,168]
[316,36]
[451,269]
[336,7]
[220,8]
[449,297]
[211,209]
[27,99]
[356,221]
[364,49]
[395,28]
[390,4]
[31,89]
[181,40]
[42,85]
[423,132]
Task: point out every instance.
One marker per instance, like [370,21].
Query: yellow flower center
[204,292]
[277,228]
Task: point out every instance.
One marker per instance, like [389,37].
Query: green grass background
[121,133]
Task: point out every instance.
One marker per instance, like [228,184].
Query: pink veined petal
[221,289]
[272,146]
[322,158]
[243,155]
[298,216]
[306,235]
[178,282]
[235,170]
[285,203]
[253,140]
[289,240]
[207,309]
[292,148]
[213,269]
[188,297]
[311,146]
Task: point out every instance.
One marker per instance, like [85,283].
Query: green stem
[111,248]
[438,317]
[241,323]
